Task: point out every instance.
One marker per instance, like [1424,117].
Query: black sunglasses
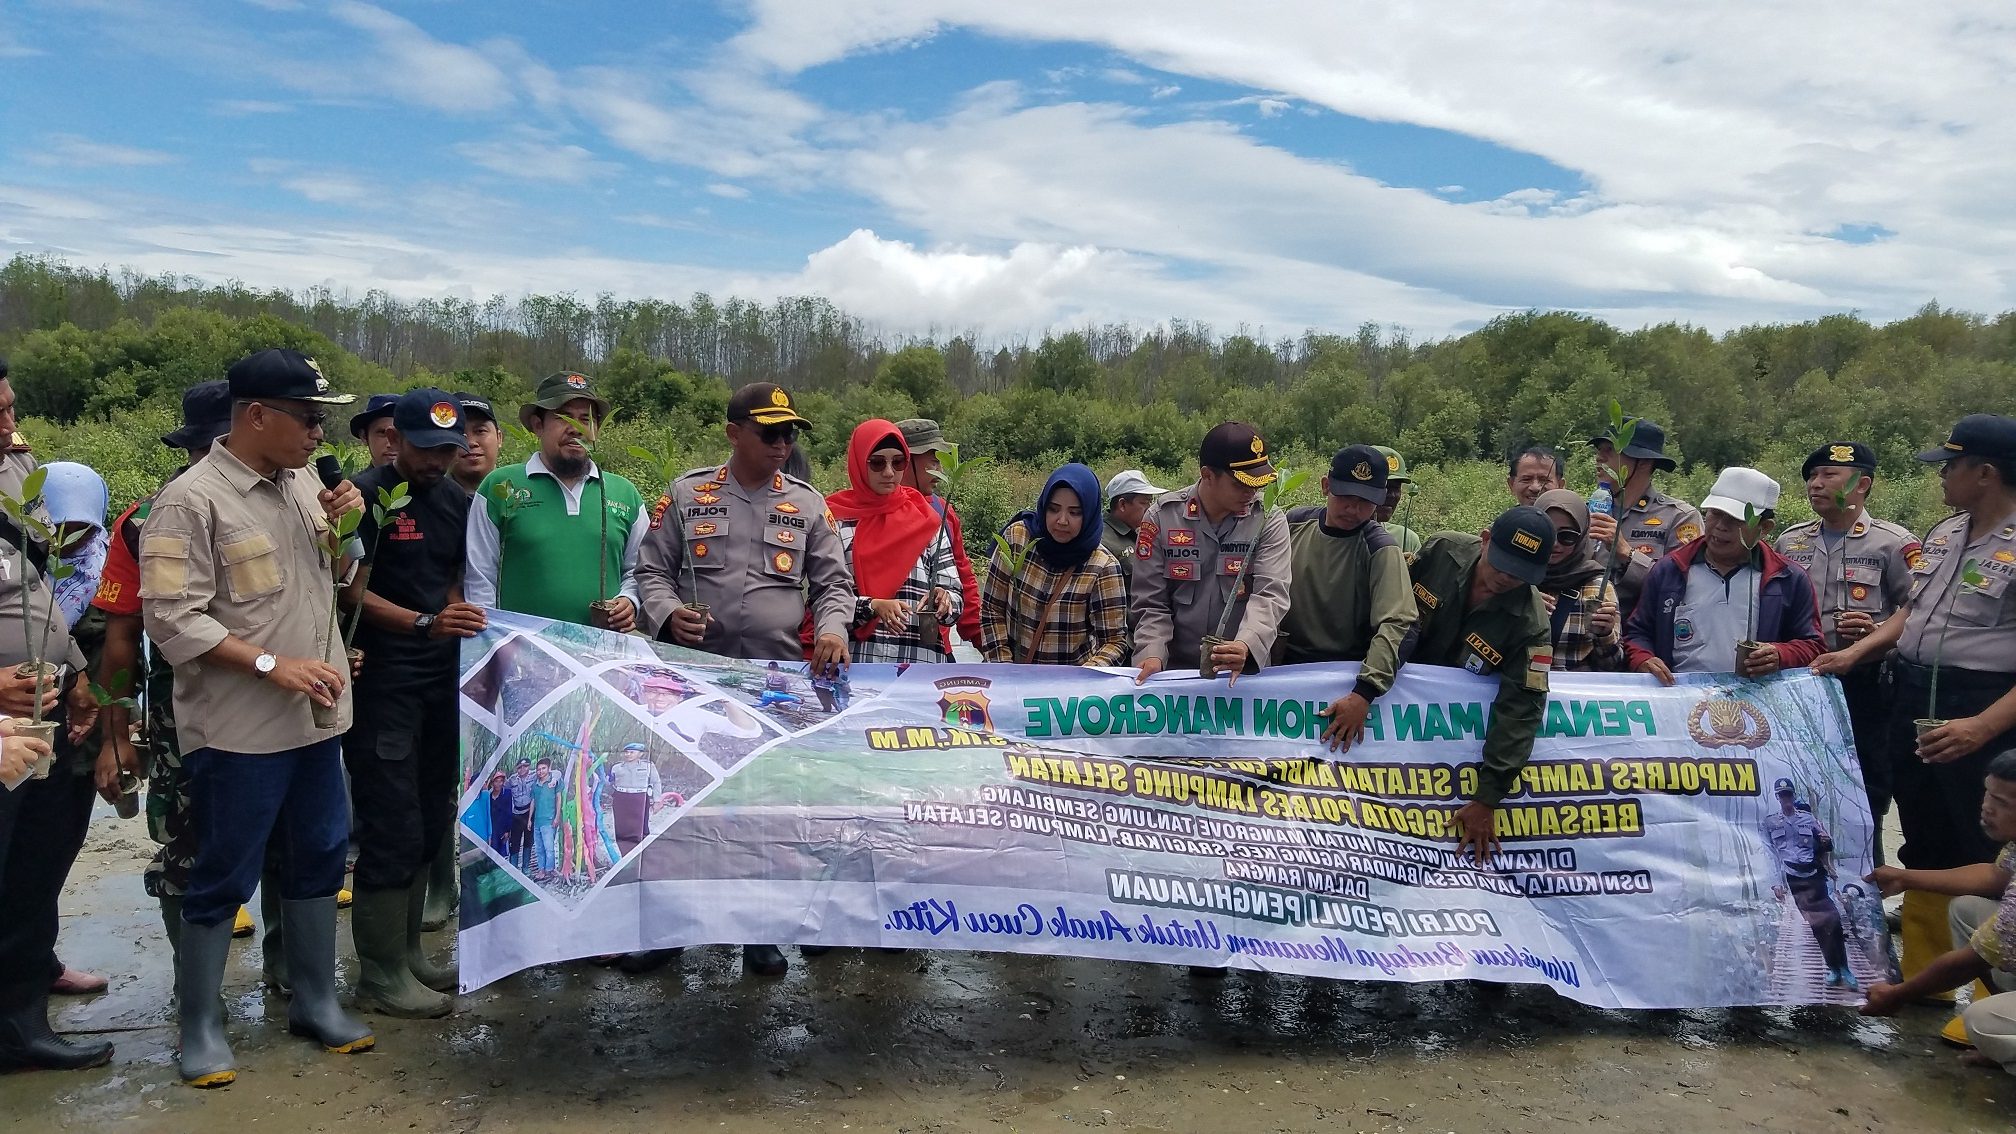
[772,434]
[312,419]
[1566,536]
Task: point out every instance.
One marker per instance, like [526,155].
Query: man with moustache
[404,751]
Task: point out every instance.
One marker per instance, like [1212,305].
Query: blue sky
[1010,168]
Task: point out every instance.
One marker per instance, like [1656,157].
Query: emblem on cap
[1393,464]
[1259,446]
[321,383]
[779,398]
[1525,541]
[1841,453]
[1363,471]
[443,414]
[578,381]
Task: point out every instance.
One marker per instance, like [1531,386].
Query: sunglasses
[312,419]
[888,464]
[773,434]
[1566,536]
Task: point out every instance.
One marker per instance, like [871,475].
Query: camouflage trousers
[168,822]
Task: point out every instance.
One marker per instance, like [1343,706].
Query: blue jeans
[238,801]
[546,841]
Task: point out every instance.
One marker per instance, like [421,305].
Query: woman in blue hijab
[1053,596]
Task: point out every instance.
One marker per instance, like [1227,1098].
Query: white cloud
[244,107]
[537,159]
[731,192]
[332,189]
[71,150]
[416,66]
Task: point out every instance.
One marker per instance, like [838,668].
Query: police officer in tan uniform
[747,542]
[1649,523]
[1189,555]
[1861,572]
[1961,617]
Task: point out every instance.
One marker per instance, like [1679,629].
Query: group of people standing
[246,565]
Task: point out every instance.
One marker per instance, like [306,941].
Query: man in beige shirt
[237,588]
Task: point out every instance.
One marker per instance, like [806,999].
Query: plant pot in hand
[1743,650]
[44,731]
[927,625]
[1210,642]
[128,804]
[600,612]
[1924,725]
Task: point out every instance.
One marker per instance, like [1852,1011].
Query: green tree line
[100,360]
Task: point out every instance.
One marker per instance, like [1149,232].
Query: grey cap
[923,435]
[1131,482]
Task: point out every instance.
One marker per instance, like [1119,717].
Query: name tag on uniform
[778,520]
[1483,648]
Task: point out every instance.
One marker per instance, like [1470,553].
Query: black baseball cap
[1840,454]
[285,374]
[1648,443]
[475,405]
[1522,540]
[428,418]
[375,407]
[1782,786]
[764,403]
[206,416]
[1977,435]
[1237,448]
[1360,471]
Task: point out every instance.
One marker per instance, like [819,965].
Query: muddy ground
[927,1043]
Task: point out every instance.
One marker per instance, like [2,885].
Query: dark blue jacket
[1788,616]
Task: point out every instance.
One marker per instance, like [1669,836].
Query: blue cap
[283,374]
[633,748]
[1781,786]
[379,405]
[428,418]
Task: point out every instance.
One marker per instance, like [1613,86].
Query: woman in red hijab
[902,558]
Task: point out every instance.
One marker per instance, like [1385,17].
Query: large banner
[622,795]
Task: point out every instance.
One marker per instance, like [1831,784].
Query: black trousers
[1939,805]
[1810,894]
[41,841]
[404,757]
[1868,692]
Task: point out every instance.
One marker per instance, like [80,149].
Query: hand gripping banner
[1668,848]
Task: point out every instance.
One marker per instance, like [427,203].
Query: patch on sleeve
[1688,533]
[1539,663]
[1914,556]
[1425,596]
[658,507]
[1144,539]
[164,566]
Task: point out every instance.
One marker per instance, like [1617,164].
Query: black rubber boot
[206,1053]
[649,960]
[440,978]
[310,935]
[765,960]
[28,1043]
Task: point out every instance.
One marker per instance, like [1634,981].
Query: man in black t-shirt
[403,751]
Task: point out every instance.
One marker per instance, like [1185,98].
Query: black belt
[1952,678]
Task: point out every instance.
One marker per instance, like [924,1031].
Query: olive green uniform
[1349,598]
[1119,543]
[1184,570]
[1509,635]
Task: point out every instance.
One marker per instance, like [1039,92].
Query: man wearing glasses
[557,536]
[732,553]
[237,587]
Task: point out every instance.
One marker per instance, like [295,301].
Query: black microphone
[330,470]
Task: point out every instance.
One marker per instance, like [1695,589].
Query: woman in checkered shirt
[1053,595]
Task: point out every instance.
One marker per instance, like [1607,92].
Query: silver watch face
[264,663]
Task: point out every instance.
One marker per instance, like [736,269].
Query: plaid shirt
[907,645]
[1089,626]
[1575,648]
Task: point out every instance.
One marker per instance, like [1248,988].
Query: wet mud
[924,1043]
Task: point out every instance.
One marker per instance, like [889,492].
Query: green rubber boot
[311,962]
[206,1053]
[385,982]
[440,978]
[272,942]
[440,885]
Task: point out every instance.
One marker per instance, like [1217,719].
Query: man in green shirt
[1348,591]
[1480,611]
[555,536]
[1397,481]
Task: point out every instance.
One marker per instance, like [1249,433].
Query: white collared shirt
[479,580]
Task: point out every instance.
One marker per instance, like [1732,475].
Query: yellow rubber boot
[1926,934]
[243,927]
[1955,1031]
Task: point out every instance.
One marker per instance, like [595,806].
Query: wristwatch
[422,624]
[263,665]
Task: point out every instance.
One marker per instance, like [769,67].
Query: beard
[567,467]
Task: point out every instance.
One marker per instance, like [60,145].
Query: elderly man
[1128,496]
[557,537]
[1726,601]
[237,589]
[1534,471]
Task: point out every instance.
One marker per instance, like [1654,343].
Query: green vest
[547,562]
